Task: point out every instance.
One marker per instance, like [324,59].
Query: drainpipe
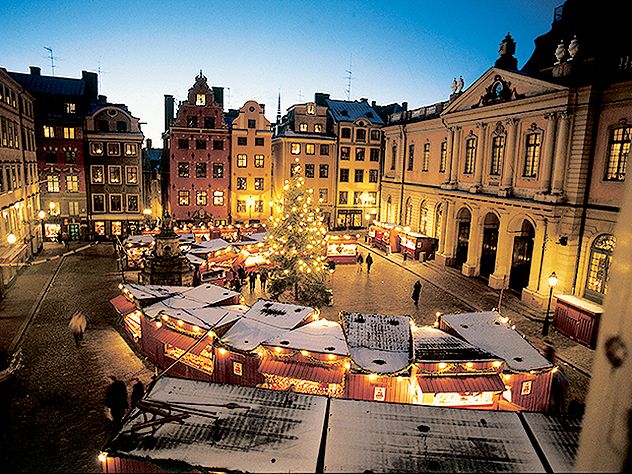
[401,196]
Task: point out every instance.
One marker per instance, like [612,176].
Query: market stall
[342,248]
[136,247]
[385,236]
[578,319]
[417,246]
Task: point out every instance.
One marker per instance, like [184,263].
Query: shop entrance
[490,245]
[464,219]
[521,258]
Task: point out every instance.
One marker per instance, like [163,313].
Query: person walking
[263,278]
[416,292]
[369,262]
[78,325]
[138,390]
[253,281]
[116,400]
[360,261]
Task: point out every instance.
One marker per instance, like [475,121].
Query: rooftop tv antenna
[52,58]
[300,96]
[349,78]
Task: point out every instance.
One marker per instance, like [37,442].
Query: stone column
[509,159]
[504,250]
[474,248]
[561,152]
[547,156]
[449,235]
[444,216]
[456,152]
[480,157]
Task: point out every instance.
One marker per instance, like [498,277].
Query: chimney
[320,98]
[372,104]
[102,99]
[405,105]
[365,100]
[169,106]
[91,84]
[218,95]
[35,71]
[263,108]
[148,144]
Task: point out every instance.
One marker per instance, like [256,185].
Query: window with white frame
[218,198]
[97,174]
[114,175]
[72,183]
[52,183]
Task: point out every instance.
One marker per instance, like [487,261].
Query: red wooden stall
[342,249]
[417,246]
[385,236]
[578,319]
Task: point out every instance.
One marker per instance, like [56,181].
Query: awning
[122,305]
[302,370]
[181,341]
[461,384]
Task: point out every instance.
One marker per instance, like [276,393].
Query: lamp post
[42,214]
[552,284]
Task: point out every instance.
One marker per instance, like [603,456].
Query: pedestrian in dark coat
[263,277]
[241,273]
[369,262]
[116,400]
[416,292]
[138,390]
[360,261]
[237,285]
[253,281]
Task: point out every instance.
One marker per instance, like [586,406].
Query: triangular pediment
[499,86]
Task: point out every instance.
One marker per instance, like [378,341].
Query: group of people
[116,398]
[241,275]
[360,260]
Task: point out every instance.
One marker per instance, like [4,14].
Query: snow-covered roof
[257,237]
[318,336]
[557,436]
[229,428]
[489,331]
[147,292]
[377,342]
[207,246]
[431,344]
[265,320]
[208,317]
[365,436]
[186,238]
[201,296]
[194,259]
[139,239]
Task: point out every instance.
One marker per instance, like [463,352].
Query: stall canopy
[205,295]
[491,332]
[139,239]
[207,246]
[378,343]
[318,336]
[460,384]
[122,305]
[153,292]
[265,320]
[303,370]
[206,317]
[432,344]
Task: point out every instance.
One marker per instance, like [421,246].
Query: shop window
[99,227]
[618,150]
[599,267]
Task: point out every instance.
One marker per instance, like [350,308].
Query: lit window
[323,171]
[132,203]
[218,170]
[242,160]
[323,195]
[183,169]
[498,150]
[310,149]
[70,107]
[73,208]
[259,184]
[96,148]
[259,206]
[69,132]
[49,132]
[242,184]
[532,156]
[114,175]
[470,155]
[411,156]
[444,157]
[97,175]
[218,198]
[618,150]
[345,153]
[114,149]
[72,183]
[131,149]
[259,161]
[201,198]
[599,267]
[318,128]
[200,99]
[131,175]
[241,205]
[294,169]
[183,198]
[425,163]
[302,127]
[52,183]
[343,197]
[295,148]
[311,109]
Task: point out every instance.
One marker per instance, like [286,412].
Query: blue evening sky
[401,51]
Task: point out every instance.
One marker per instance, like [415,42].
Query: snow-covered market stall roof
[318,336]
[232,428]
[378,343]
[208,317]
[265,320]
[491,331]
[144,293]
[432,344]
[201,296]
[206,246]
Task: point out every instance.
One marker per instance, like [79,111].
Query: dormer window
[200,99]
[311,109]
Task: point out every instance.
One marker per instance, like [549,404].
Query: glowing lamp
[120,286]
[222,351]
[304,353]
[180,323]
[442,365]
[196,328]
[51,205]
[347,365]
[158,324]
[469,365]
[147,212]
[277,350]
[506,377]
[553,280]
[11,238]
[555,369]
[102,456]
[165,317]
[331,356]
[497,363]
[41,214]
[372,377]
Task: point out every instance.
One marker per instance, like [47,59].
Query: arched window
[408,212]
[423,218]
[393,155]
[599,267]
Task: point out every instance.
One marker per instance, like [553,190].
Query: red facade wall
[225,368]
[538,398]
[360,387]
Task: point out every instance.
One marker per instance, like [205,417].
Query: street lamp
[552,284]
[11,238]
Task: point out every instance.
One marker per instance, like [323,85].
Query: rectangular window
[131,175]
[259,141]
[72,183]
[310,149]
[73,208]
[200,99]
[200,170]
[323,195]
[183,198]
[70,157]
[425,162]
[131,149]
[470,155]
[114,149]
[242,184]
[218,198]
[344,175]
[373,175]
[345,153]
[69,132]
[294,169]
[98,202]
[97,174]
[359,154]
[343,197]
[498,150]
[183,169]
[295,148]
[103,126]
[309,171]
[359,176]
[318,128]
[121,126]
[324,150]
[201,198]
[618,150]
[70,107]
[411,156]
[218,144]
[259,184]
[323,171]
[52,183]
[375,135]
[241,205]
[361,135]
[393,156]
[200,144]
[357,197]
[242,141]
[259,205]
[302,127]
[116,203]
[183,143]
[132,203]
[96,148]
[49,132]
[444,157]
[345,133]
[192,121]
[252,123]
[209,122]
[532,156]
[218,170]
[375,154]
[242,160]
[259,161]
[114,175]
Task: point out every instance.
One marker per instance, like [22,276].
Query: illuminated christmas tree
[296,236]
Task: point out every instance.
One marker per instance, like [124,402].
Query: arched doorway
[490,244]
[521,258]
[463,220]
[408,212]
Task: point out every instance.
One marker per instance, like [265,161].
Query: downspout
[401,196]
